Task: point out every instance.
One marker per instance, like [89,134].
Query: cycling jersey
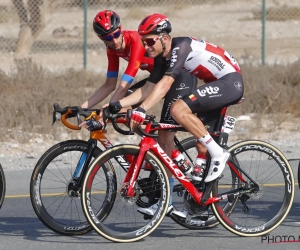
[205,60]
[134,53]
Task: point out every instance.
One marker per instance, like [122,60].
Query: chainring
[147,196]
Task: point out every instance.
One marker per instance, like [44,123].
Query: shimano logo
[216,62]
[208,91]
[182,86]
[174,56]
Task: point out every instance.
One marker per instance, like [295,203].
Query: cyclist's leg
[206,98]
[185,83]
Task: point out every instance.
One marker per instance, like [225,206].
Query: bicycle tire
[129,226]
[229,176]
[299,174]
[2,186]
[265,209]
[59,211]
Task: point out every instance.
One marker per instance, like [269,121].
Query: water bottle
[181,162]
[200,165]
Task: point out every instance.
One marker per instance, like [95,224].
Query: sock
[213,148]
[171,182]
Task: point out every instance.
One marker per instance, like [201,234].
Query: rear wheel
[266,198]
[207,220]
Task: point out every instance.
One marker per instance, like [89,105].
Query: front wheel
[124,223]
[2,186]
[265,195]
[55,204]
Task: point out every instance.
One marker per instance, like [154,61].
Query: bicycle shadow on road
[33,230]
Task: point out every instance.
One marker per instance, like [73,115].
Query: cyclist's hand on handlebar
[93,125]
[83,124]
[114,107]
[138,116]
[101,113]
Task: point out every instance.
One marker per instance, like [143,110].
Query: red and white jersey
[200,58]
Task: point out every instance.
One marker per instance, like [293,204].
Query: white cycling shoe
[152,209]
[183,213]
[217,166]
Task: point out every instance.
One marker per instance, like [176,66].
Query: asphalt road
[21,229]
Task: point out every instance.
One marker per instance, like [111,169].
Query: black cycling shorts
[225,91]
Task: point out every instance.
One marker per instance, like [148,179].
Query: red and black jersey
[205,60]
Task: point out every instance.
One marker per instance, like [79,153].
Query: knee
[174,110]
[179,109]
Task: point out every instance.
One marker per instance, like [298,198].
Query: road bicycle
[2,185]
[55,186]
[262,190]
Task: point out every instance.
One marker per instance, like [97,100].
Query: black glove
[93,125]
[114,107]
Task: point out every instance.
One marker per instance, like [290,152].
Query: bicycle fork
[129,183]
[83,163]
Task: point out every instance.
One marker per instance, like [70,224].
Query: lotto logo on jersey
[174,56]
[192,97]
[211,91]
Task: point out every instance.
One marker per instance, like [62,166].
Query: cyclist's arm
[101,93]
[138,95]
[135,59]
[110,84]
[159,91]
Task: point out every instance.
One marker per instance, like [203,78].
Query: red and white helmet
[106,22]
[155,24]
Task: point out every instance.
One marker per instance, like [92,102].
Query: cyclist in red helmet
[208,62]
[120,43]
[127,44]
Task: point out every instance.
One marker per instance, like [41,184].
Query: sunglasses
[150,41]
[111,36]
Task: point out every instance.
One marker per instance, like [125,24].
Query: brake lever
[53,118]
[105,115]
[78,118]
[55,113]
[129,114]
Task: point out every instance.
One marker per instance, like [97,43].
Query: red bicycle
[55,185]
[261,192]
